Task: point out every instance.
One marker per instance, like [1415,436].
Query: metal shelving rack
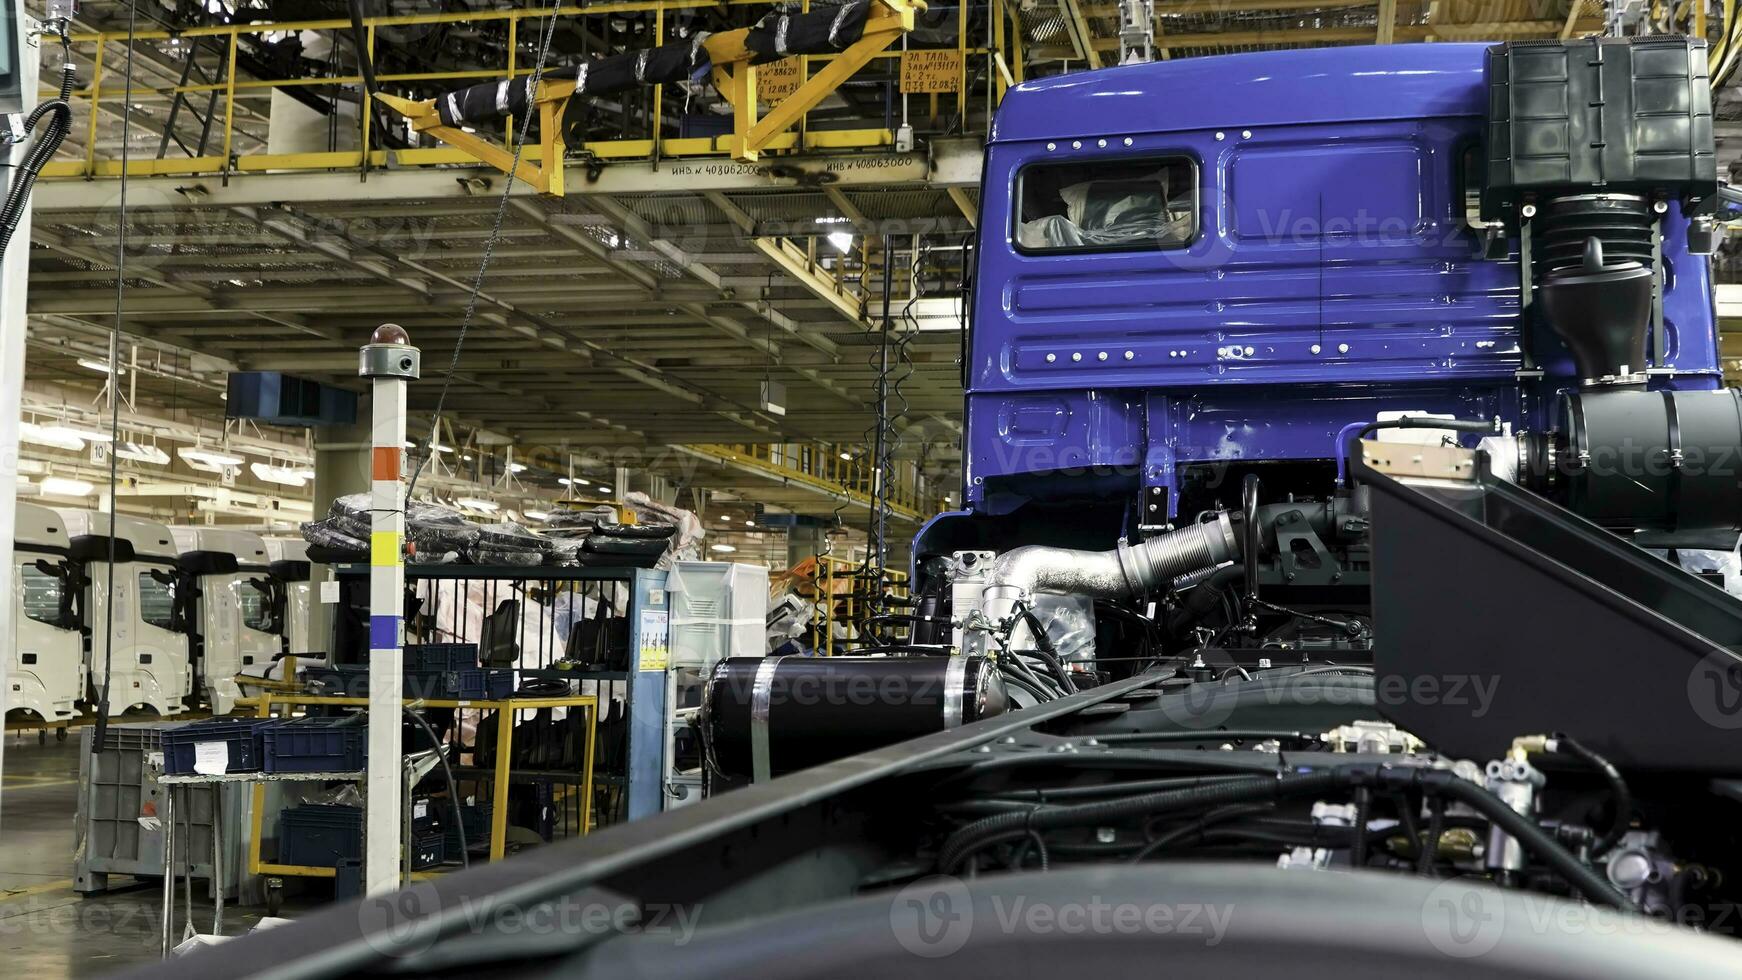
[633,780]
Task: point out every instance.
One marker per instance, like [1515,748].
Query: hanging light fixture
[51,436]
[62,486]
[288,476]
[101,367]
[141,453]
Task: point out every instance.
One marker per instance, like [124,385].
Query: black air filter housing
[1615,115]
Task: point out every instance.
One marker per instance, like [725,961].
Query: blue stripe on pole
[383,632]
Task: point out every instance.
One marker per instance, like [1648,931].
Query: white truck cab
[149,662]
[293,573]
[230,606]
[46,672]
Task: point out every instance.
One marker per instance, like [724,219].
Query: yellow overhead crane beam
[733,74]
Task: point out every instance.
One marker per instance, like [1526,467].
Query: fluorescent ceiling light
[209,458]
[749,523]
[604,489]
[724,549]
[565,481]
[101,367]
[478,503]
[846,455]
[55,438]
[517,467]
[536,515]
[288,476]
[81,432]
[61,486]
[140,453]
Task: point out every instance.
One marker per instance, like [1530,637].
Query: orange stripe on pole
[386,463]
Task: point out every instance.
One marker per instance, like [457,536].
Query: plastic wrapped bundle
[564,551]
[436,534]
[581,522]
[329,535]
[507,543]
[685,543]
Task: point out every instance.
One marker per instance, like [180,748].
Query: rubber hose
[1046,650]
[1586,881]
[1436,829]
[1005,825]
[1623,798]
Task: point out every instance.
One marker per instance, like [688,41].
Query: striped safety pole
[388,361]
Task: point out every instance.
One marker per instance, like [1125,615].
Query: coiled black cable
[43,150]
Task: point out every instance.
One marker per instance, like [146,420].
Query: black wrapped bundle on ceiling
[492,101]
[672,62]
[823,31]
[484,103]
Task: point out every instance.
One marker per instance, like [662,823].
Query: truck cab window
[42,594]
[1107,205]
[156,601]
[257,606]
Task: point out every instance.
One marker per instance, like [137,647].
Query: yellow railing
[363,151]
[843,591]
[838,470]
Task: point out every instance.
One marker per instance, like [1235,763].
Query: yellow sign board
[931,71]
[777,79]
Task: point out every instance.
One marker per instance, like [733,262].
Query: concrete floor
[46,931]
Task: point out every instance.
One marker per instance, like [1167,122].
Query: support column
[14,273]
[389,361]
[342,467]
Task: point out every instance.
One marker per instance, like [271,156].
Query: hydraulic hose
[1446,785]
[1046,650]
[43,150]
[1008,826]
[1525,830]
[1622,797]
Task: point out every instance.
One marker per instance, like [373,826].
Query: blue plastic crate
[427,850]
[344,681]
[475,818]
[318,835]
[440,656]
[241,737]
[485,684]
[313,745]
[471,684]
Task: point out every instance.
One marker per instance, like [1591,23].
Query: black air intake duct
[1594,282]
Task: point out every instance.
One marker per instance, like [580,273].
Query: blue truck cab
[1194,269]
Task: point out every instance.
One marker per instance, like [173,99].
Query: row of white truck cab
[184,610]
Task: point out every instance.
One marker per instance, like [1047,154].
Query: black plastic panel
[1503,614]
[1600,114]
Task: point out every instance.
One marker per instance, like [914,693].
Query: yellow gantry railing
[833,470]
[785,128]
